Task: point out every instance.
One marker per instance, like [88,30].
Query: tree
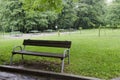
[67,16]
[89,13]
[42,5]
[12,15]
[51,17]
[113,14]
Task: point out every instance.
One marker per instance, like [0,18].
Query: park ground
[90,54]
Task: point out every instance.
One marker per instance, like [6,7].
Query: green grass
[90,55]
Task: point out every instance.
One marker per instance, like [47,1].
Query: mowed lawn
[90,55]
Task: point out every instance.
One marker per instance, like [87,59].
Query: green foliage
[35,20]
[14,17]
[11,15]
[42,5]
[40,20]
[68,16]
[89,13]
[26,15]
[112,14]
[51,18]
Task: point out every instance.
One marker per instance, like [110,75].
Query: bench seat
[44,54]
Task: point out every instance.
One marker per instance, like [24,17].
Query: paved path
[15,76]
[32,35]
[27,36]
[116,78]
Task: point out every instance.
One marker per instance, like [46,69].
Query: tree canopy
[26,15]
[42,5]
[113,14]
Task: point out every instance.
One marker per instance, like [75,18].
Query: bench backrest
[48,43]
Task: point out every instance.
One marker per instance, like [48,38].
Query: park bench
[44,43]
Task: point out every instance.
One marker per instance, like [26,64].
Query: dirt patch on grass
[39,65]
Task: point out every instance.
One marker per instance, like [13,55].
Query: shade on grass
[90,55]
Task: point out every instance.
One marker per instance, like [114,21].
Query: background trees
[113,14]
[26,15]
[89,13]
[67,16]
[42,5]
[12,15]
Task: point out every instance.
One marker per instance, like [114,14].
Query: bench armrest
[18,47]
[66,52]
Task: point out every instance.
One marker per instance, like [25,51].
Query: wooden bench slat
[51,43]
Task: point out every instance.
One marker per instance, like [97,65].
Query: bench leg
[62,66]
[22,57]
[68,59]
[11,59]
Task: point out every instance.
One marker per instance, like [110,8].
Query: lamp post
[57,30]
[56,27]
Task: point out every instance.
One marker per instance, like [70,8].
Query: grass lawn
[90,55]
